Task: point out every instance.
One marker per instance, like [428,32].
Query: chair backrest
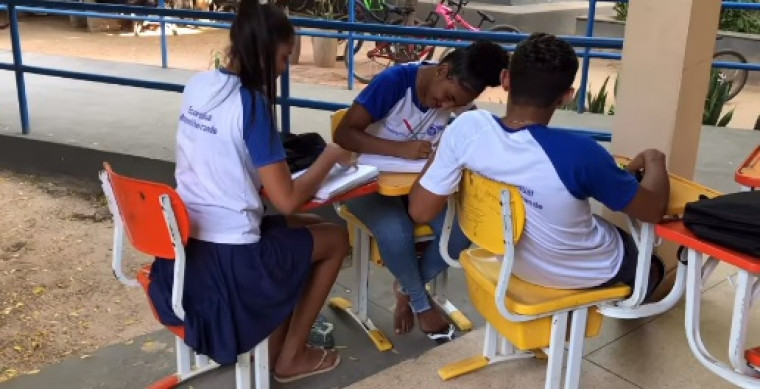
[335,119]
[480,211]
[139,204]
[682,191]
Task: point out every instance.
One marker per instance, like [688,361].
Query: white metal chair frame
[360,259]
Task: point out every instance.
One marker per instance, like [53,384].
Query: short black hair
[542,69]
[478,65]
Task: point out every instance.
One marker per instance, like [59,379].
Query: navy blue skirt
[236,295]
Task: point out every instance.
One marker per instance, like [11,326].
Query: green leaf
[726,118]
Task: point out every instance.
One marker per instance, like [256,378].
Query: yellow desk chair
[364,251]
[520,316]
[682,191]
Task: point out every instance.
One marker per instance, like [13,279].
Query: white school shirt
[221,140]
[563,245]
[391,98]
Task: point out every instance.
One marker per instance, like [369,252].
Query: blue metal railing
[355,31]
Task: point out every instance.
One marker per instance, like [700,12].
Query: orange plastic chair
[156,222]
[753,357]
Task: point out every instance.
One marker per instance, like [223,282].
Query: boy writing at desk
[564,245]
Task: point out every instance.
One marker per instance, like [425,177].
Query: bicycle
[387,51]
[453,19]
[738,77]
[401,53]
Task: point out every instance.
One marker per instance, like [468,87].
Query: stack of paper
[341,180]
[388,164]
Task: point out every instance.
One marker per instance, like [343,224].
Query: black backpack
[731,220]
[301,150]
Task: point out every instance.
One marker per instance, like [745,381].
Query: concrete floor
[73,118]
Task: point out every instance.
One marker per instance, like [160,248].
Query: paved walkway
[648,353]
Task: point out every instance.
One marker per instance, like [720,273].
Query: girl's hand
[339,155]
[415,149]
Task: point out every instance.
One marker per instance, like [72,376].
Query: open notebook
[392,164]
[341,180]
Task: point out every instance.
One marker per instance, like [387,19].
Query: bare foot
[403,317]
[312,360]
[432,321]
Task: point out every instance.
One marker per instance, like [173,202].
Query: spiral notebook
[341,180]
[388,164]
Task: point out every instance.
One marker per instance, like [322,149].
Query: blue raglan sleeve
[600,178]
[260,134]
[588,170]
[385,90]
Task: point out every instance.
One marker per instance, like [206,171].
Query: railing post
[586,60]
[164,50]
[285,101]
[23,108]
[350,44]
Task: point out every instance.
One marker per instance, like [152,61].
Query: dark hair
[478,65]
[543,68]
[255,35]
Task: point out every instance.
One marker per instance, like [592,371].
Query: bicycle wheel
[373,57]
[738,77]
[504,28]
[297,6]
[369,59]
[497,28]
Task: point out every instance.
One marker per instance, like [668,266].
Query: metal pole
[285,101]
[350,44]
[164,53]
[23,108]
[586,60]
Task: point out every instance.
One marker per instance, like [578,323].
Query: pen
[411,130]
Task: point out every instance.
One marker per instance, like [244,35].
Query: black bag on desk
[301,150]
[732,221]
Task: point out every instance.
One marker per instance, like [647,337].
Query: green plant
[598,102]
[595,102]
[739,20]
[572,105]
[621,11]
[717,96]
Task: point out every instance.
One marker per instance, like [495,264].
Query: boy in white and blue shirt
[402,113]
[564,245]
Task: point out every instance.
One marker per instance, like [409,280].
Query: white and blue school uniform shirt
[243,277]
[391,98]
[563,245]
[221,140]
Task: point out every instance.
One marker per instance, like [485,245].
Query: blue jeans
[388,220]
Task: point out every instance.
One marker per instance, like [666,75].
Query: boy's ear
[504,79]
[567,98]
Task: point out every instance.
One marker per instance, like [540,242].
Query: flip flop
[443,336]
[284,380]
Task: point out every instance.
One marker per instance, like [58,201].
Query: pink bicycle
[454,20]
[371,59]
